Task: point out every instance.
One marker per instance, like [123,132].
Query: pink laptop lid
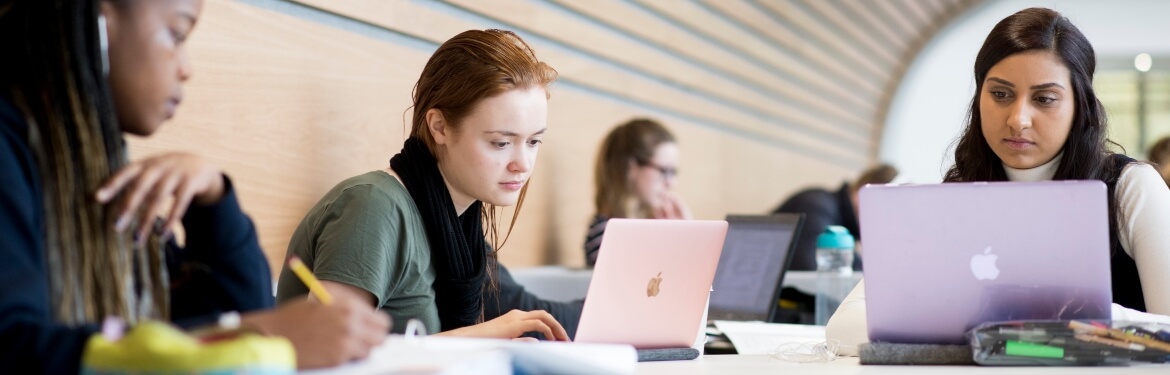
[940,259]
[651,282]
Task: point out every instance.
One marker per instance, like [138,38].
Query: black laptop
[751,269]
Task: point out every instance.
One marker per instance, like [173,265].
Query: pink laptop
[651,282]
[940,259]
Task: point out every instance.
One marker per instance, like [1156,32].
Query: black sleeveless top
[1127,287]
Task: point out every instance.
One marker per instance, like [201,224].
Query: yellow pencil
[298,267]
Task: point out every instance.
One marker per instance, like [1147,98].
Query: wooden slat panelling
[702,20]
[583,34]
[831,141]
[793,13]
[769,28]
[651,25]
[859,10]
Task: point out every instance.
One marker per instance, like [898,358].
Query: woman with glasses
[635,172]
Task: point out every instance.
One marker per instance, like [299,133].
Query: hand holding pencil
[327,332]
[306,276]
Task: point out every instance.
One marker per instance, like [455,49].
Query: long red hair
[468,68]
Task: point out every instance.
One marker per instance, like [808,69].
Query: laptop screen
[755,255]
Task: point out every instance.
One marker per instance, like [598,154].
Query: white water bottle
[834,271]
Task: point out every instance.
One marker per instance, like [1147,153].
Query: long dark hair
[53,73]
[1086,155]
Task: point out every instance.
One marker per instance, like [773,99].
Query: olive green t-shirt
[367,232]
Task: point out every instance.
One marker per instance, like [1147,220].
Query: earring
[104,42]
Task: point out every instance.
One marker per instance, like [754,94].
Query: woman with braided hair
[80,236]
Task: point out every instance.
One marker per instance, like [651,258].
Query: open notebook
[447,355]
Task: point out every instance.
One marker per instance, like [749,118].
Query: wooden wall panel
[724,30]
[575,50]
[651,25]
[765,26]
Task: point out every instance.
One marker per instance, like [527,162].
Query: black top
[1127,286]
[593,239]
[221,269]
[821,208]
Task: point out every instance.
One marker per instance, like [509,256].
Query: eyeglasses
[667,172]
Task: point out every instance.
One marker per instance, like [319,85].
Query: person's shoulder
[13,129]
[1140,174]
[372,196]
[16,161]
[813,193]
[376,187]
[811,197]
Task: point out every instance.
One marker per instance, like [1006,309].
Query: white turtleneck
[1144,231]
[1044,172]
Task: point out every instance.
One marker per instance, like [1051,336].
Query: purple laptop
[940,259]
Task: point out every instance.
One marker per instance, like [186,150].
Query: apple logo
[652,287]
[983,265]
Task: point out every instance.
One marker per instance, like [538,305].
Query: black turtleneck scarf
[456,241]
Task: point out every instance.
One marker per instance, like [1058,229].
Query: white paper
[449,355]
[395,356]
[764,338]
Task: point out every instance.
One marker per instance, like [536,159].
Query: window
[1118,86]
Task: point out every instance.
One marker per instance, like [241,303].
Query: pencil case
[159,348]
[1070,343]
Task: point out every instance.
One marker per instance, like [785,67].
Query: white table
[563,284]
[764,364]
[806,281]
[554,283]
[557,283]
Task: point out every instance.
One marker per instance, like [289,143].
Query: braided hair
[53,74]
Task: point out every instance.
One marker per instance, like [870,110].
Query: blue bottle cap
[835,237]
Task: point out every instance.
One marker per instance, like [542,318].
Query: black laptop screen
[755,254]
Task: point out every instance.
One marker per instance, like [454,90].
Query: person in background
[408,239]
[822,208]
[1160,156]
[1035,117]
[635,172]
[82,240]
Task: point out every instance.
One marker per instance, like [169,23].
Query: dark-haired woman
[77,221]
[1035,117]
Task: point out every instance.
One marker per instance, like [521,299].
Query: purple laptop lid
[940,259]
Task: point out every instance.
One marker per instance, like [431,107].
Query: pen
[1088,349]
[1115,343]
[1162,336]
[1032,333]
[298,267]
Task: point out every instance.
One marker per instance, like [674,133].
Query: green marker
[1027,349]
